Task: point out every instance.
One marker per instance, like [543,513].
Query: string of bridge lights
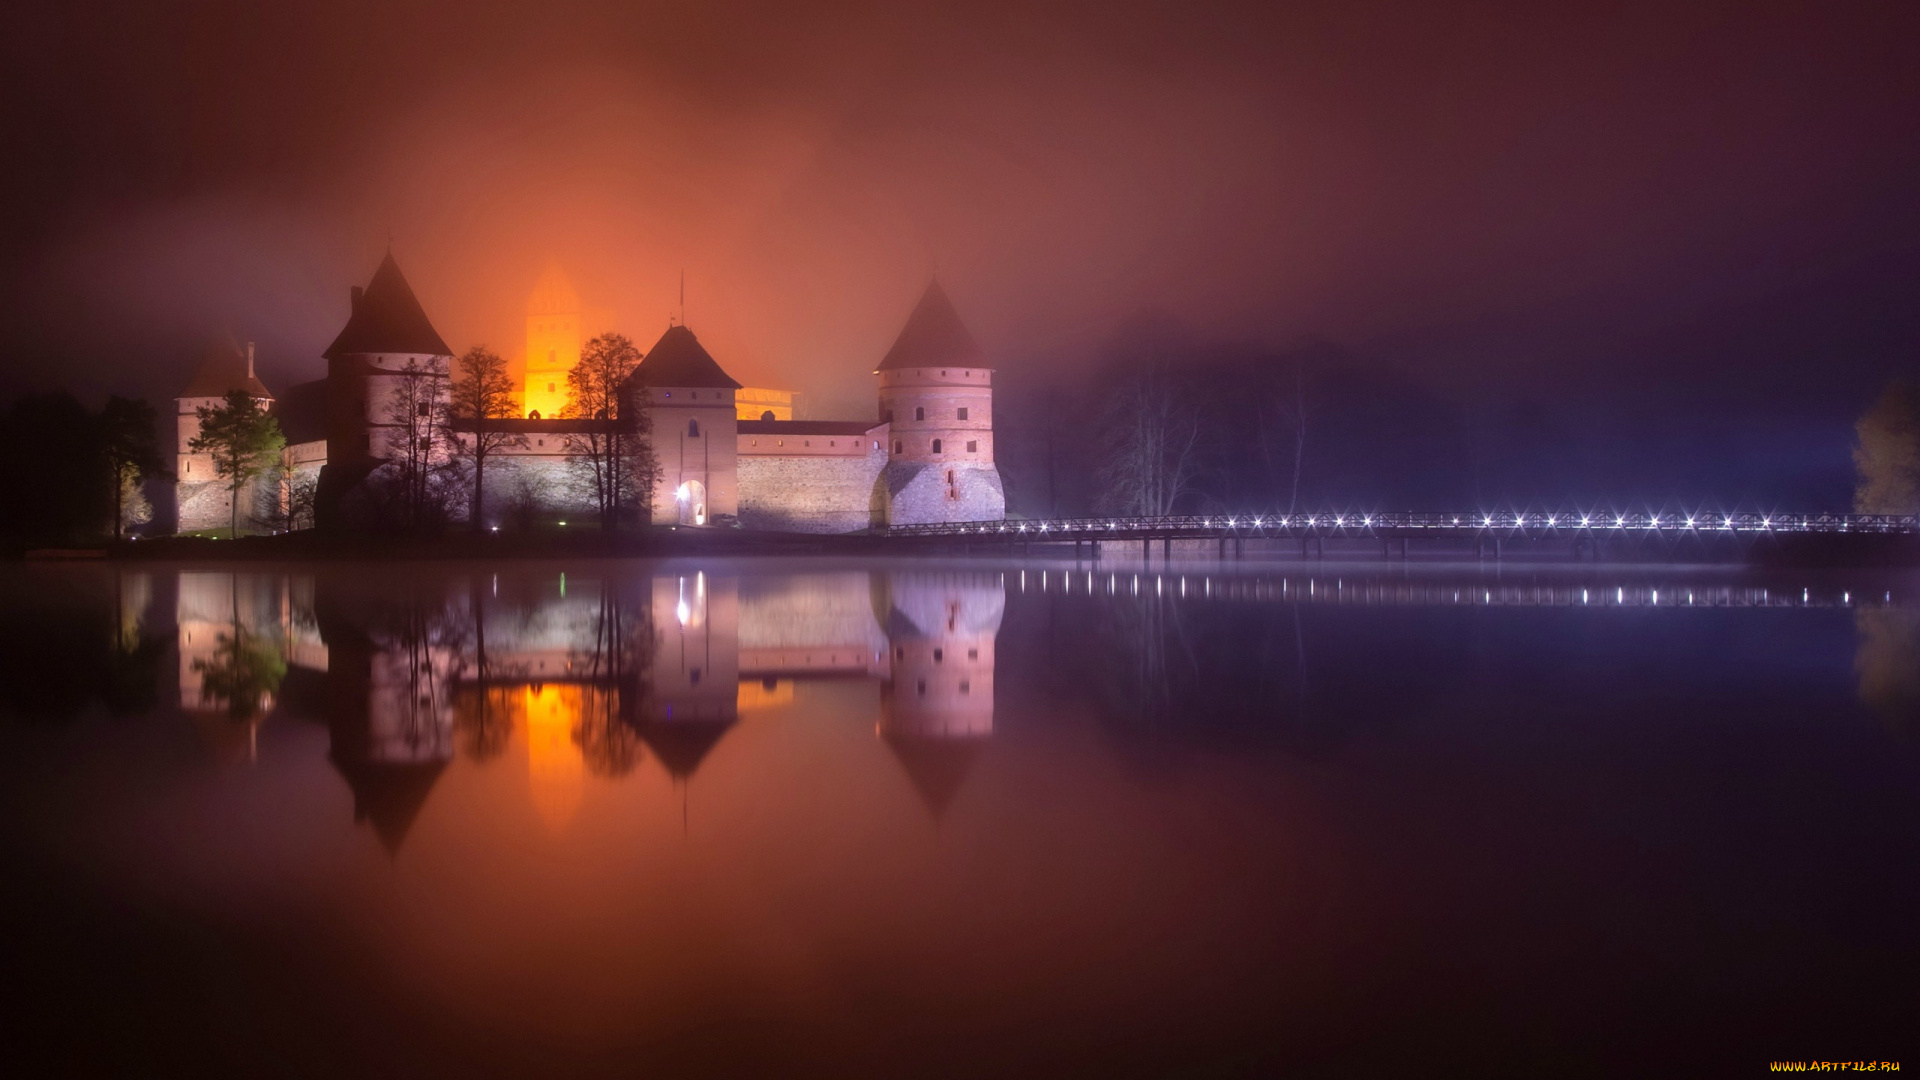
[1380,592]
[1649,522]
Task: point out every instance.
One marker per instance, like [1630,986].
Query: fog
[1699,223]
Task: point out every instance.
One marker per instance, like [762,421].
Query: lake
[840,817]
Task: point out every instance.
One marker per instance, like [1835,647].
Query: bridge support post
[1166,549]
[1239,547]
[1096,551]
[1146,550]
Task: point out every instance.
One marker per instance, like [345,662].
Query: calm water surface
[844,818]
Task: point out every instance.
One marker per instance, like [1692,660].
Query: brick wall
[810,493]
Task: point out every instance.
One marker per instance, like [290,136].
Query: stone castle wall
[932,492]
[818,493]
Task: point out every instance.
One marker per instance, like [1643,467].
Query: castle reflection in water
[590,677]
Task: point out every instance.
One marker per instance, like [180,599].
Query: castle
[727,453]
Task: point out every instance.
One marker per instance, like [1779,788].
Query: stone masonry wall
[921,494]
[810,493]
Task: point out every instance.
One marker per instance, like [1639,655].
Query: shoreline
[1780,550]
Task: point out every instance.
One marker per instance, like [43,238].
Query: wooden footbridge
[1395,534]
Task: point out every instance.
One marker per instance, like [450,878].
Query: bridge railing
[1438,523]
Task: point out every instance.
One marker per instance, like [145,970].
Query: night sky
[1645,251]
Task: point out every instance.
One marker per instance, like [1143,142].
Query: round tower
[936,396]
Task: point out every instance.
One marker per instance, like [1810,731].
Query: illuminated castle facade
[728,454]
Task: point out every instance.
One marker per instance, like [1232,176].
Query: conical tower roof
[223,367]
[553,294]
[678,359]
[387,318]
[937,767]
[934,337]
[681,745]
[388,795]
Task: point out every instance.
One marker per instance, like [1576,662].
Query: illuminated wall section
[553,344]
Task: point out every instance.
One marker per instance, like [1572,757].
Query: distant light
[1583,523]
[496,528]
[563,524]
[1489,519]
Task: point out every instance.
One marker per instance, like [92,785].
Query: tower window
[963,412]
[420,409]
[553,357]
[768,415]
[919,413]
[939,655]
[896,446]
[936,446]
[693,429]
[973,447]
[966,686]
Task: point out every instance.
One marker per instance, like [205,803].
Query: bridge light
[1549,521]
[1489,520]
[1620,523]
[1583,523]
[1309,520]
[1231,523]
[1689,523]
[1256,523]
[1339,521]
[1366,521]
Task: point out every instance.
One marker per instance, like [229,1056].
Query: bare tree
[479,399]
[417,462]
[1887,455]
[1148,440]
[293,509]
[612,456]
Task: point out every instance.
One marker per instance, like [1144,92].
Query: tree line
[72,475]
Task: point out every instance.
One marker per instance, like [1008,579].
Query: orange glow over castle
[553,344]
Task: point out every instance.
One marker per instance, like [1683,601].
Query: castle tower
[695,429]
[386,334]
[936,390]
[201,498]
[553,344]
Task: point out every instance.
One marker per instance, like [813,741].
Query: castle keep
[727,453]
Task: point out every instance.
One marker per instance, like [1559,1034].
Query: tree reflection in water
[244,672]
[1888,663]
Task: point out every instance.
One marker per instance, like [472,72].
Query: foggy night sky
[1688,232]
